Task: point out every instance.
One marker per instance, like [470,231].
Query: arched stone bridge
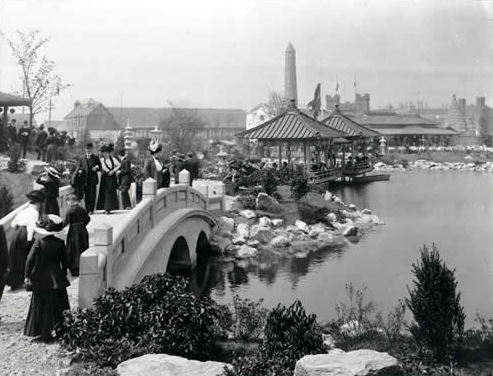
[165,231]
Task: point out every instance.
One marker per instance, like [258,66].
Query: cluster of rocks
[246,233]
[335,362]
[422,164]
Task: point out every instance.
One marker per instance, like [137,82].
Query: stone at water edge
[277,222]
[366,211]
[352,363]
[325,238]
[169,365]
[243,230]
[316,230]
[248,214]
[350,230]
[221,243]
[302,226]
[265,222]
[265,235]
[238,240]
[245,252]
[225,225]
[280,241]
[268,203]
[332,217]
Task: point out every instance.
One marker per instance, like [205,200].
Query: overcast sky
[225,53]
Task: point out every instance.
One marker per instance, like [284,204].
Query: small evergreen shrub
[269,182]
[158,315]
[435,304]
[247,201]
[299,187]
[6,201]
[290,334]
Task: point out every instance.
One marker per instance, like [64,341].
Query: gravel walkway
[20,355]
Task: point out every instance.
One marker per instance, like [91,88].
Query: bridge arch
[179,261]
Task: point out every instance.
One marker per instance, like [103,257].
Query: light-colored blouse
[28,217]
[110,164]
[159,166]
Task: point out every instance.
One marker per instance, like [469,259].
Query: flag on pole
[316,103]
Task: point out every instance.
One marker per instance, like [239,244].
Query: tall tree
[181,128]
[484,128]
[40,82]
[276,104]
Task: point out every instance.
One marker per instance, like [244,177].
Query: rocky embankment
[247,233]
[422,164]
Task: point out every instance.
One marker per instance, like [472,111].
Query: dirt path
[20,355]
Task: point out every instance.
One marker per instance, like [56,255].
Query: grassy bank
[18,185]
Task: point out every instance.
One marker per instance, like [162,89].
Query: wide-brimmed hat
[49,225]
[155,147]
[52,172]
[36,196]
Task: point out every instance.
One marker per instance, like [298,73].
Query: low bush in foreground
[290,334]
[158,315]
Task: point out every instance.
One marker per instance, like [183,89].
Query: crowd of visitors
[44,142]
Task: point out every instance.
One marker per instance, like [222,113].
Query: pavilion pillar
[288,152]
[5,115]
[304,156]
[280,155]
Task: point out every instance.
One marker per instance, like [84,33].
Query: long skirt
[108,198]
[51,153]
[45,312]
[77,242]
[19,249]
[51,206]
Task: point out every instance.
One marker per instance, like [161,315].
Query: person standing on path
[153,165]
[108,197]
[52,142]
[91,165]
[46,277]
[24,224]
[50,180]
[126,179]
[12,133]
[41,143]
[23,137]
[77,237]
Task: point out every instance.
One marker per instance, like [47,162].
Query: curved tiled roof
[348,126]
[291,125]
[13,100]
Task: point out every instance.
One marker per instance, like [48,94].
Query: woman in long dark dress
[153,165]
[50,180]
[46,276]
[108,198]
[126,178]
[77,237]
[24,224]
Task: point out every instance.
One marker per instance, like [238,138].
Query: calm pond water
[452,209]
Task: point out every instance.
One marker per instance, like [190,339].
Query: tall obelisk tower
[290,89]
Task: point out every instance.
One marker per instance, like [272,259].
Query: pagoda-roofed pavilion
[355,134]
[293,130]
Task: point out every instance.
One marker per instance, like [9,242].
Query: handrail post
[149,190]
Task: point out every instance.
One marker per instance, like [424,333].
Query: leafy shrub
[290,334]
[249,318]
[6,201]
[90,370]
[247,201]
[393,325]
[15,164]
[269,182]
[435,305]
[160,314]
[299,187]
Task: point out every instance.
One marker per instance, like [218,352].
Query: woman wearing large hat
[50,180]
[46,276]
[24,224]
[108,197]
[154,165]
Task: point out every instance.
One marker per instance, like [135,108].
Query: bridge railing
[111,251]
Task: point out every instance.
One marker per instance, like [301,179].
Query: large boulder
[316,200]
[225,225]
[265,235]
[168,365]
[243,230]
[268,203]
[353,363]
